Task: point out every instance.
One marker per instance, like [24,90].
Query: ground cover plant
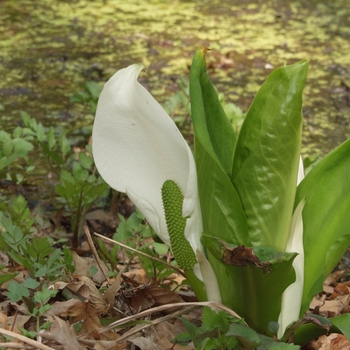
[238,214]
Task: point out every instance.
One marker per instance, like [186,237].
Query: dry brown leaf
[340,289]
[20,321]
[90,327]
[20,315]
[99,221]
[145,344]
[138,275]
[331,308]
[174,280]
[144,298]
[334,277]
[163,296]
[63,334]
[3,320]
[339,342]
[141,300]
[163,332]
[328,289]
[333,341]
[79,312]
[240,256]
[78,287]
[83,266]
[111,345]
[4,259]
[59,285]
[108,345]
[87,311]
[96,299]
[111,291]
[86,288]
[62,308]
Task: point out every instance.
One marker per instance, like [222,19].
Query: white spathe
[292,296]
[209,278]
[137,147]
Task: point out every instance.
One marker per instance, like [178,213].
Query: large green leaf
[249,291]
[342,323]
[214,145]
[309,328]
[256,295]
[221,207]
[210,122]
[256,277]
[267,153]
[326,218]
[214,142]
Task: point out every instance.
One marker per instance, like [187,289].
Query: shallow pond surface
[48,49]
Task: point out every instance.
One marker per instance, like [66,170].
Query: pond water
[48,49]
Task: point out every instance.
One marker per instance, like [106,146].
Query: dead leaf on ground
[64,308]
[86,288]
[145,344]
[331,308]
[163,296]
[7,322]
[334,277]
[332,342]
[109,345]
[165,331]
[63,334]
[84,264]
[340,289]
[153,295]
[100,221]
[3,320]
[111,291]
[137,275]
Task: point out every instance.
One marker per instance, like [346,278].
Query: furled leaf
[210,121]
[221,207]
[214,144]
[267,153]
[326,218]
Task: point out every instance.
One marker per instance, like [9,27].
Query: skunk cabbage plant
[242,221]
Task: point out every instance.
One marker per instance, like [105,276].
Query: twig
[14,346]
[140,253]
[94,251]
[144,326]
[24,339]
[212,304]
[154,322]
